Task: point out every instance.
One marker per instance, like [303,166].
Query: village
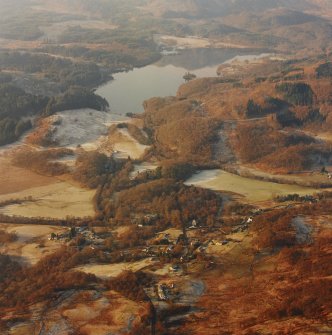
[171,254]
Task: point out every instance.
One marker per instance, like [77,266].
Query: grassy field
[142,167]
[57,200]
[113,270]
[126,145]
[32,241]
[15,179]
[249,189]
[306,179]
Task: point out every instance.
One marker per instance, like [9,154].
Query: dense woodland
[297,93]
[63,71]
[136,47]
[324,70]
[268,146]
[172,123]
[281,119]
[16,103]
[159,193]
[16,110]
[43,161]
[75,98]
[92,168]
[43,280]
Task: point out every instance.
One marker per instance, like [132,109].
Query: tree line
[18,108]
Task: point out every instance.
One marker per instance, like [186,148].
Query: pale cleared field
[139,168]
[32,241]
[183,42]
[126,145]
[50,197]
[18,44]
[325,136]
[250,189]
[80,127]
[193,42]
[231,247]
[57,200]
[88,129]
[14,179]
[112,270]
[173,233]
[306,179]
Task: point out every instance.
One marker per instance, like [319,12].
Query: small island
[189,76]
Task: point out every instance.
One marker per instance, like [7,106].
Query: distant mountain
[325,4]
[178,8]
[175,8]
[213,8]
[92,9]
[272,19]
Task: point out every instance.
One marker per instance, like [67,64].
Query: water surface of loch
[128,90]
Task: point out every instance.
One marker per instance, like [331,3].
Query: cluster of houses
[296,197]
[59,237]
[164,291]
[89,236]
[165,245]
[244,225]
[146,220]
[326,172]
